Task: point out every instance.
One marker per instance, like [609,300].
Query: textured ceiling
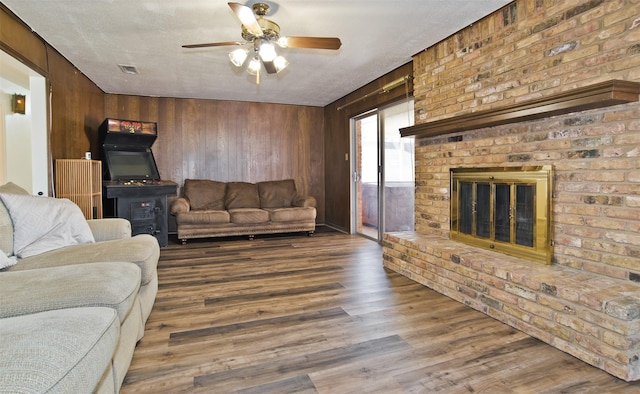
[377,37]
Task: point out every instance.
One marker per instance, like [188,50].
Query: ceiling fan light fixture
[282,41]
[280,63]
[267,52]
[238,56]
[254,66]
[264,34]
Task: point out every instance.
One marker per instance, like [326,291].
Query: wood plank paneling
[17,40]
[321,315]
[77,109]
[232,141]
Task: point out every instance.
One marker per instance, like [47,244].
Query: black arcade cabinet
[133,189]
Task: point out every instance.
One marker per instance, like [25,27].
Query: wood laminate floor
[297,314]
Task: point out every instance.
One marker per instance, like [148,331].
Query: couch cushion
[41,224]
[292,214]
[204,194]
[241,195]
[248,215]
[203,217]
[276,194]
[142,249]
[60,351]
[113,285]
[6,226]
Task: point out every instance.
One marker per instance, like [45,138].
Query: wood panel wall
[77,109]
[337,140]
[232,141]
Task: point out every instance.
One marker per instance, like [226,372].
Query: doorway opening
[383,181]
[24,150]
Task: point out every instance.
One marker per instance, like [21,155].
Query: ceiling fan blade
[246,17]
[214,44]
[270,67]
[313,42]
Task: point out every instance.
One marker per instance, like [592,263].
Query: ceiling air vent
[127,69]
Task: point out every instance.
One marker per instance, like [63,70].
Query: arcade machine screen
[131,165]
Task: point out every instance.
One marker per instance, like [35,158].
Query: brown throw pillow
[276,194]
[241,195]
[204,194]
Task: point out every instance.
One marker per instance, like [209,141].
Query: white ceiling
[377,37]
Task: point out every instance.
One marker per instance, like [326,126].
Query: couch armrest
[109,284]
[111,228]
[178,205]
[304,201]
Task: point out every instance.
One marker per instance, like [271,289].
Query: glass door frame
[381,179]
[356,175]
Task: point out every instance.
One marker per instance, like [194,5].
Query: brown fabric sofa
[219,209]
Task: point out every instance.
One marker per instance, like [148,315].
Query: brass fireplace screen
[505,209]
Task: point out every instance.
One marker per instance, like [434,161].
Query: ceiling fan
[263,34]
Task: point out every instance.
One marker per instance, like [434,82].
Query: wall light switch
[346,157]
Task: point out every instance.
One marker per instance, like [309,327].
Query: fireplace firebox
[505,209]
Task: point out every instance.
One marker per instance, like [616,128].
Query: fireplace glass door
[503,209]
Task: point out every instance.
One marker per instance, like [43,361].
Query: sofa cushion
[60,351]
[277,194]
[142,249]
[241,195]
[204,194]
[113,285]
[203,217]
[6,226]
[41,224]
[248,215]
[292,214]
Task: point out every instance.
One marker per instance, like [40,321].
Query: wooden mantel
[580,99]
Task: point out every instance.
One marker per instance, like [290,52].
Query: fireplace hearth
[505,209]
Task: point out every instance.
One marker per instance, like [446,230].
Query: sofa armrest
[304,201]
[108,284]
[109,229]
[178,205]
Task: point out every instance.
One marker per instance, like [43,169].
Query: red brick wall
[532,49]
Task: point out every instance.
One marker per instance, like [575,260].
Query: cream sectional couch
[70,318]
[219,209]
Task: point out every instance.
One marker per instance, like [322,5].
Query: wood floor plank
[177,338]
[270,371]
[298,384]
[320,314]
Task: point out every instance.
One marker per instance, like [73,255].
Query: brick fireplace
[587,302]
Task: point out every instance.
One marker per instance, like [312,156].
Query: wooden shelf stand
[80,181]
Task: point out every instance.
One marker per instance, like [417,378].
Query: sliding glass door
[366,175]
[383,171]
